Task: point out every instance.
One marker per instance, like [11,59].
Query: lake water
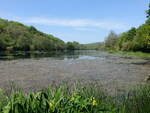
[69,55]
[36,70]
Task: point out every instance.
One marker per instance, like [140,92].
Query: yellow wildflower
[51,105]
[94,102]
[72,99]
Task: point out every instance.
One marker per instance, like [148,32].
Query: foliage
[148,12]
[16,36]
[87,98]
[74,46]
[135,39]
[60,99]
[131,54]
[142,39]
[136,101]
[125,40]
[95,46]
[111,40]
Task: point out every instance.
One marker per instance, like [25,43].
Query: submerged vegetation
[87,98]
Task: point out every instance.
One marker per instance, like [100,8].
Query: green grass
[137,101]
[131,54]
[75,98]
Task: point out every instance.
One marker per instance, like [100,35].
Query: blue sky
[85,21]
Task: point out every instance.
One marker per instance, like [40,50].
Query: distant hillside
[16,36]
[95,46]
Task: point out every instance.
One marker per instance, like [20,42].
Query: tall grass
[131,54]
[137,101]
[75,98]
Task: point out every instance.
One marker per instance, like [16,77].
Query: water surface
[58,55]
[36,70]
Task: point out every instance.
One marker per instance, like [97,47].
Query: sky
[84,21]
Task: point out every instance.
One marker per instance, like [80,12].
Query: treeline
[135,39]
[15,36]
[94,46]
[75,46]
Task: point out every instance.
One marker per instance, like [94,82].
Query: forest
[15,36]
[135,39]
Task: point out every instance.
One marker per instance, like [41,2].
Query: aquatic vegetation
[61,99]
[130,54]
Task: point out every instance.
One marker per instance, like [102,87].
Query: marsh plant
[75,98]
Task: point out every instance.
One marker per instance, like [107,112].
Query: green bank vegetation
[94,46]
[135,42]
[15,36]
[133,54]
[135,39]
[87,98]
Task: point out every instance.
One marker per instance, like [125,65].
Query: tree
[130,34]
[111,40]
[148,12]
[16,36]
[125,40]
[6,42]
[33,30]
[132,40]
[148,15]
[73,45]
[142,39]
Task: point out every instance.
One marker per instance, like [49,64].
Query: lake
[58,55]
[35,70]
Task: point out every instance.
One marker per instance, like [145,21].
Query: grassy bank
[79,98]
[131,54]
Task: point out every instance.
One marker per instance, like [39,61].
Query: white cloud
[78,23]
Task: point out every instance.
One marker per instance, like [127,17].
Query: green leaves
[111,40]
[73,46]
[56,100]
[51,100]
[16,36]
[148,12]
[135,39]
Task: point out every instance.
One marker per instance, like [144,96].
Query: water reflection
[59,55]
